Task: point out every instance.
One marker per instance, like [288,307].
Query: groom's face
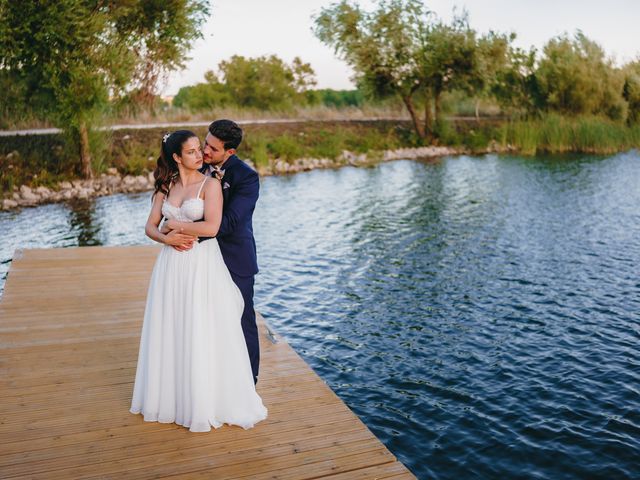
[214,152]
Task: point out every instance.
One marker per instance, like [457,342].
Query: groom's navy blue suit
[240,189]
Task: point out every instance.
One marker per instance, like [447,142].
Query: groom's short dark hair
[228,132]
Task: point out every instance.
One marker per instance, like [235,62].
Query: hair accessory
[164,139]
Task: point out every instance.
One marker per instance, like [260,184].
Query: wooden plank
[296,420]
[387,470]
[147,455]
[68,355]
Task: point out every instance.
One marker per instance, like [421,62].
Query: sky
[284,28]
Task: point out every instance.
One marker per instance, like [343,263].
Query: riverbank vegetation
[44,160]
[560,134]
[103,66]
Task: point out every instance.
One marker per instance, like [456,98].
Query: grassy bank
[44,160]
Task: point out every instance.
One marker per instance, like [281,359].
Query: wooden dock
[70,323]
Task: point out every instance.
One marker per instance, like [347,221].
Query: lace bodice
[191,209]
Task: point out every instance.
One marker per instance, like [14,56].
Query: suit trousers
[249,326]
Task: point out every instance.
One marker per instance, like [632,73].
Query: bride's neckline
[183,202]
[197,197]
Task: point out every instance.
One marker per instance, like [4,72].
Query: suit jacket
[240,190]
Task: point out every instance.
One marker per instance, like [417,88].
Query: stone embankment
[112,182]
[279,166]
[106,184]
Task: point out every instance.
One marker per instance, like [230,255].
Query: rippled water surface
[479,314]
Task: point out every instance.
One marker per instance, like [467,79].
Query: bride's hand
[179,241]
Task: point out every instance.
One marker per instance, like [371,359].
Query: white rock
[112,171]
[65,185]
[141,180]
[264,171]
[43,191]
[25,190]
[24,202]
[282,166]
[29,196]
[112,182]
[7,203]
[67,194]
[129,180]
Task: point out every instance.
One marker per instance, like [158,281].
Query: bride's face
[191,154]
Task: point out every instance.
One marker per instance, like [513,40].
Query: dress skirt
[193,366]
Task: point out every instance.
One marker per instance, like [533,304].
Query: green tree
[450,60]
[336,98]
[514,84]
[159,35]
[575,77]
[383,47]
[631,91]
[493,58]
[71,56]
[11,108]
[263,82]
[304,77]
[401,49]
[266,82]
[203,96]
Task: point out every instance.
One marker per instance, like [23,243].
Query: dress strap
[168,191]
[201,185]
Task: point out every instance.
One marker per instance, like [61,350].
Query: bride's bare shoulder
[211,186]
[158,197]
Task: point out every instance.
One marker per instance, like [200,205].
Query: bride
[193,366]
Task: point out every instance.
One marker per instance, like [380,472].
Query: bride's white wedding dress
[193,366]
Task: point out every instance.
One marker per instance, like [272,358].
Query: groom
[240,187]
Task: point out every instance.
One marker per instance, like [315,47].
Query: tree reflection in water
[83,222]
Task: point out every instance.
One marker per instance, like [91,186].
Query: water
[479,314]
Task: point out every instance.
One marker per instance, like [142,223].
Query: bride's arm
[174,238]
[212,213]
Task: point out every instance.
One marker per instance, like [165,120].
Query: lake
[480,314]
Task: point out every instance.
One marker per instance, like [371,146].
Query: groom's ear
[231,151]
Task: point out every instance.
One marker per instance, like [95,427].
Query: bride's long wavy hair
[167,168]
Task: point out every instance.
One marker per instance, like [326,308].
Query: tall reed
[557,134]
